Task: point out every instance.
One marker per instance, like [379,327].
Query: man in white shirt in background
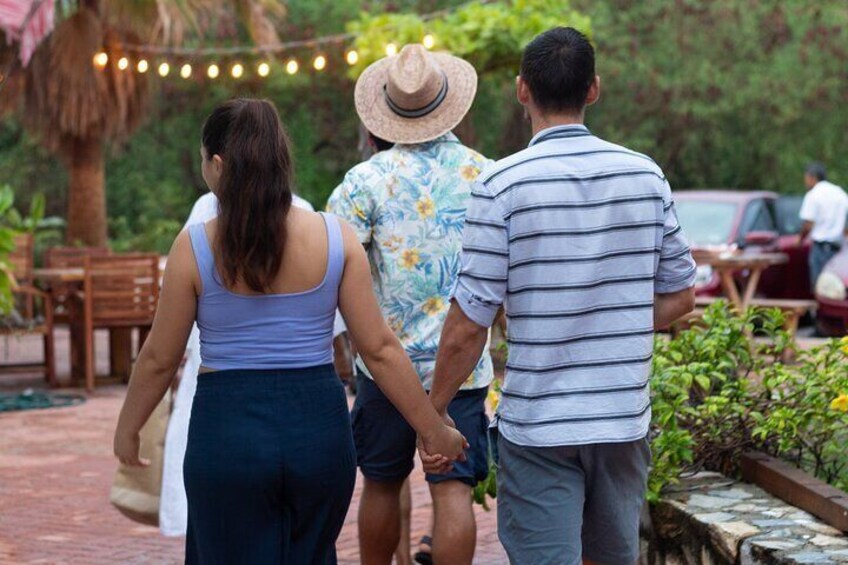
[824,212]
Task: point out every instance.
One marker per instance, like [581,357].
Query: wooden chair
[33,314]
[63,294]
[22,259]
[120,292]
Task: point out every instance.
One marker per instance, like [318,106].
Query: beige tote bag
[135,491]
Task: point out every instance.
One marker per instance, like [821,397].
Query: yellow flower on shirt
[425,207]
[433,305]
[410,258]
[393,243]
[469,173]
[840,403]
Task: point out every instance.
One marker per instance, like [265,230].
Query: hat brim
[380,120]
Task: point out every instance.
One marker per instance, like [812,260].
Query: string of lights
[173,60]
[141,62]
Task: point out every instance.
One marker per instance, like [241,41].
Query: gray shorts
[560,505]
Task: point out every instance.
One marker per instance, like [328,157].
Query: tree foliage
[489,35]
[729,93]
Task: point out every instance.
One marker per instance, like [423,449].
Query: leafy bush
[721,389]
[7,245]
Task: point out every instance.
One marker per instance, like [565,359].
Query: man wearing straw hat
[408,206]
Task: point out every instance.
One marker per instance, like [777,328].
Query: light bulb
[213,71]
[352,57]
[142,66]
[291,67]
[237,70]
[164,69]
[320,63]
[123,63]
[391,49]
[263,70]
[101,59]
[429,41]
[185,71]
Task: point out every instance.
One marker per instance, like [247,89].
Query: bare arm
[385,358]
[671,307]
[806,228]
[460,347]
[162,352]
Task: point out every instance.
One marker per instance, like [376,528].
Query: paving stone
[776,544]
[824,541]
[777,513]
[810,557]
[734,493]
[714,517]
[772,523]
[822,528]
[704,501]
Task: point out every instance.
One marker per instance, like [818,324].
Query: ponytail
[254,192]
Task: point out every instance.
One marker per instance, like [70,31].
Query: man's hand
[436,463]
[343,357]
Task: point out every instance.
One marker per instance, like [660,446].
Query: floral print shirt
[407,205]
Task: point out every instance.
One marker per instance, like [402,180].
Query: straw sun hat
[415,96]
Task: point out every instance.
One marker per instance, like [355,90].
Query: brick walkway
[56,468]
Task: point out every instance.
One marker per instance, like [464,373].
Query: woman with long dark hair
[270,463]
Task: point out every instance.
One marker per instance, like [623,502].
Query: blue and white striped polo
[573,236]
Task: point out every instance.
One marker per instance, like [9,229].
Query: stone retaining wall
[711,520]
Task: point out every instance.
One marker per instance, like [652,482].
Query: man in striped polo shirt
[578,240]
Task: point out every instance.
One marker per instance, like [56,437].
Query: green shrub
[721,389]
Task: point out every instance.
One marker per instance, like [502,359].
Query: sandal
[424,557]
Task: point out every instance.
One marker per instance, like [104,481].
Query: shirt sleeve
[354,203]
[481,286]
[676,269]
[808,208]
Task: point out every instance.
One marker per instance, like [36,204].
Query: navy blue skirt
[269,468]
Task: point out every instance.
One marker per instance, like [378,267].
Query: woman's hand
[127,447]
[439,449]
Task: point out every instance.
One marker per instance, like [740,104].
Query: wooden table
[120,339]
[728,266]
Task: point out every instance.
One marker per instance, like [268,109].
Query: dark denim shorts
[385,443]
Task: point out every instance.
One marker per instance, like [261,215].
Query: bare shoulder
[181,268]
[349,237]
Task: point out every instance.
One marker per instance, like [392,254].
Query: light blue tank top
[267,331]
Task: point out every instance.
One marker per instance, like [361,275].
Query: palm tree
[78,110]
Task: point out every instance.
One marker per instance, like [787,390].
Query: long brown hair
[255,190]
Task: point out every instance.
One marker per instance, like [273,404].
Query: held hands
[127,448]
[440,449]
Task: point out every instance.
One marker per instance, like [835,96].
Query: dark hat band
[418,112]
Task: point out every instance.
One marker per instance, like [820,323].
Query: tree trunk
[86,193]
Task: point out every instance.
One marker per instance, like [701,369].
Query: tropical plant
[7,245]
[77,109]
[721,388]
